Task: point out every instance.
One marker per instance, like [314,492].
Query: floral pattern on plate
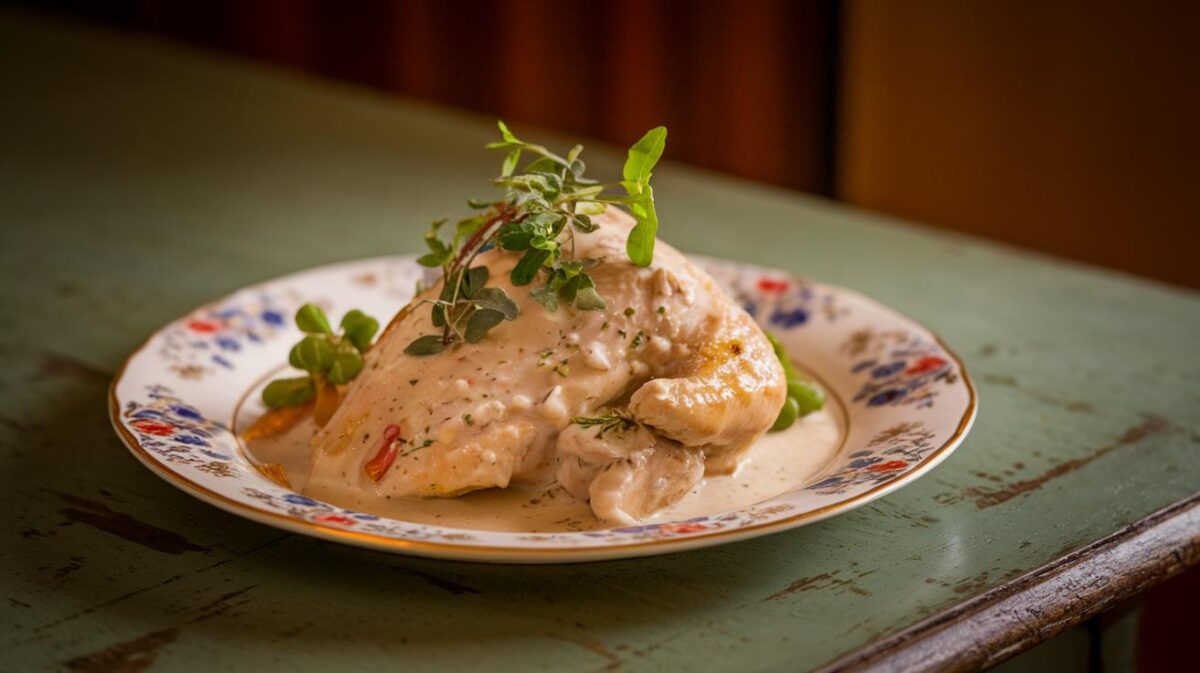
[907,398]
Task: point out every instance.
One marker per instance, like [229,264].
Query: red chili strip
[378,466]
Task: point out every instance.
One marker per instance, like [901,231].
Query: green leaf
[480,322]
[544,224]
[526,269]
[465,228]
[359,328]
[590,208]
[438,315]
[313,354]
[644,154]
[510,163]
[587,299]
[574,154]
[439,253]
[547,185]
[496,299]
[474,280]
[527,198]
[310,318]
[513,237]
[576,284]
[640,244]
[571,268]
[478,204]
[288,392]
[505,133]
[568,290]
[546,296]
[436,246]
[430,344]
[448,286]
[584,224]
[544,243]
[347,363]
[431,260]
[543,165]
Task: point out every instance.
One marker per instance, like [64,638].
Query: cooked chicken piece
[626,473]
[691,366]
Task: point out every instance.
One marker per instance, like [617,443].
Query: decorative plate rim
[547,554]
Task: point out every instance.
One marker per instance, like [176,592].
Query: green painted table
[138,180]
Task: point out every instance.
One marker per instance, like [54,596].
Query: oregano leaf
[473,281]
[526,269]
[587,299]
[546,296]
[481,321]
[430,344]
[496,299]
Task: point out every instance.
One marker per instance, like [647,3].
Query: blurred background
[1069,127]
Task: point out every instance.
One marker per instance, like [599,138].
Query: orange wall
[1072,127]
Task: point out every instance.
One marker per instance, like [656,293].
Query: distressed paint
[139,180]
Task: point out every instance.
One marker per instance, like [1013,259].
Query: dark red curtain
[745,88]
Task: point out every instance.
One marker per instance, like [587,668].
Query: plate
[904,397]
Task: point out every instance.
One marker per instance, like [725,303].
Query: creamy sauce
[778,462]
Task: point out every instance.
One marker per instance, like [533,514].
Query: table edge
[1017,615]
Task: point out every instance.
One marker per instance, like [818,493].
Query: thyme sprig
[613,420]
[544,207]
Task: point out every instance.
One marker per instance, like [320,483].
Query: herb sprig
[544,207]
[325,356]
[613,420]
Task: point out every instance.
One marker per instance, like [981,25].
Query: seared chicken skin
[691,367]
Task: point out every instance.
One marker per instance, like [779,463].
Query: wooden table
[138,180]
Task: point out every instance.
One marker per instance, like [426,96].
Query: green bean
[787,415]
[809,398]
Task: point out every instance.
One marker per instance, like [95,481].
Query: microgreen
[641,160]
[328,358]
[546,203]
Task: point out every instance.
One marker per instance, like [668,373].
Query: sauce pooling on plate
[777,462]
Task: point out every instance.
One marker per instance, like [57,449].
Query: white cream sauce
[778,462]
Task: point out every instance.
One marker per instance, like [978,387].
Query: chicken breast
[696,374]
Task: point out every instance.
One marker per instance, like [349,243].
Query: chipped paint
[130,656]
[101,517]
[986,497]
[614,662]
[456,588]
[1077,406]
